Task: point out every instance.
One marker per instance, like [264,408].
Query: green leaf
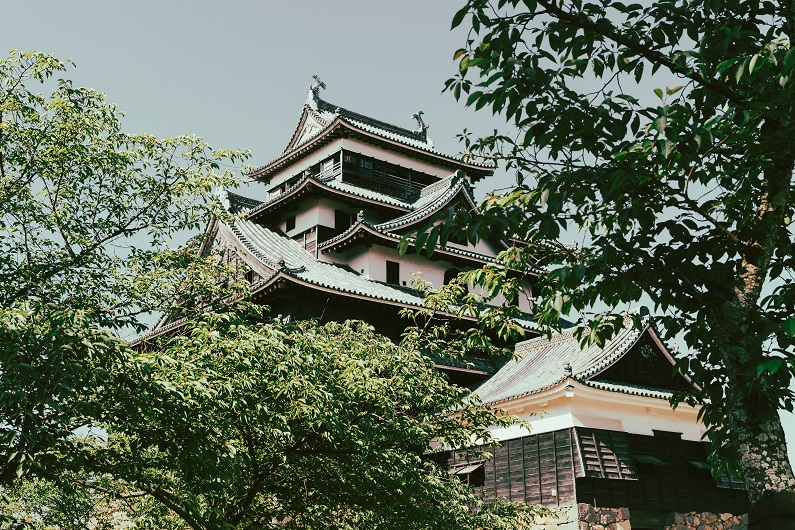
[459,17]
[789,59]
[770,365]
[789,327]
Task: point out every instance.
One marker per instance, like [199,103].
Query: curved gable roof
[333,187]
[433,199]
[362,229]
[543,363]
[317,126]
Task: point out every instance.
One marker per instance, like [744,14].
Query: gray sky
[235,72]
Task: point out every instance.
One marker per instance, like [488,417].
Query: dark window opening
[699,470]
[390,179]
[449,274]
[393,272]
[472,474]
[342,220]
[251,276]
[726,481]
[290,225]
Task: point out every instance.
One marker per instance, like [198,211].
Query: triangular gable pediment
[309,126]
[647,363]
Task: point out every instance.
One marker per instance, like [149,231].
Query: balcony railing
[373,179]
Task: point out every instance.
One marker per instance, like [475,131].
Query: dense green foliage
[247,422]
[85,213]
[237,421]
[680,194]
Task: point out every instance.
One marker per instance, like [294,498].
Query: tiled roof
[625,388]
[418,138]
[541,363]
[300,264]
[367,194]
[395,238]
[240,204]
[431,203]
[330,184]
[326,114]
[279,252]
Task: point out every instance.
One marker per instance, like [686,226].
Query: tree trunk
[754,427]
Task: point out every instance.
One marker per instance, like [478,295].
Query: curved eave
[361,232]
[281,278]
[339,128]
[626,395]
[594,371]
[303,187]
[301,122]
[421,216]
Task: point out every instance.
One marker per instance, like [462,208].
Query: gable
[308,127]
[645,364]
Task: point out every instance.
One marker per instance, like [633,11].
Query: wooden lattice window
[606,454]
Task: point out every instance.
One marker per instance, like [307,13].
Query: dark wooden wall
[535,469]
[602,468]
[677,485]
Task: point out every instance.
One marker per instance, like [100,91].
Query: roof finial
[421,125]
[360,216]
[223,198]
[567,370]
[314,91]
[318,84]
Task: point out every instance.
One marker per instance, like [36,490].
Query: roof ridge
[325,106]
[454,185]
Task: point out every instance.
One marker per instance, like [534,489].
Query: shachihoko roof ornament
[314,92]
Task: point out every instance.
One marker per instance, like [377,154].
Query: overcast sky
[235,72]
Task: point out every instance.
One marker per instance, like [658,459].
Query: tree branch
[582,21]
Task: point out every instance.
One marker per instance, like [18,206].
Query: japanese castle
[321,242]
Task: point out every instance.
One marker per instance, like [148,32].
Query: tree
[246,422]
[38,504]
[683,195]
[239,421]
[86,212]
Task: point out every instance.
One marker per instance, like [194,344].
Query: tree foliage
[86,211]
[247,422]
[681,193]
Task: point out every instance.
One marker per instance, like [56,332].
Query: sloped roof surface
[319,115]
[541,363]
[281,254]
[239,204]
[439,195]
[626,388]
[363,226]
[302,265]
[418,138]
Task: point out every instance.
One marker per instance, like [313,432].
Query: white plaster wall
[299,165]
[306,216]
[325,214]
[618,412]
[371,261]
[356,146]
[481,247]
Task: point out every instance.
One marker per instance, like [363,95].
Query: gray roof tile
[431,203]
[540,363]
[302,265]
